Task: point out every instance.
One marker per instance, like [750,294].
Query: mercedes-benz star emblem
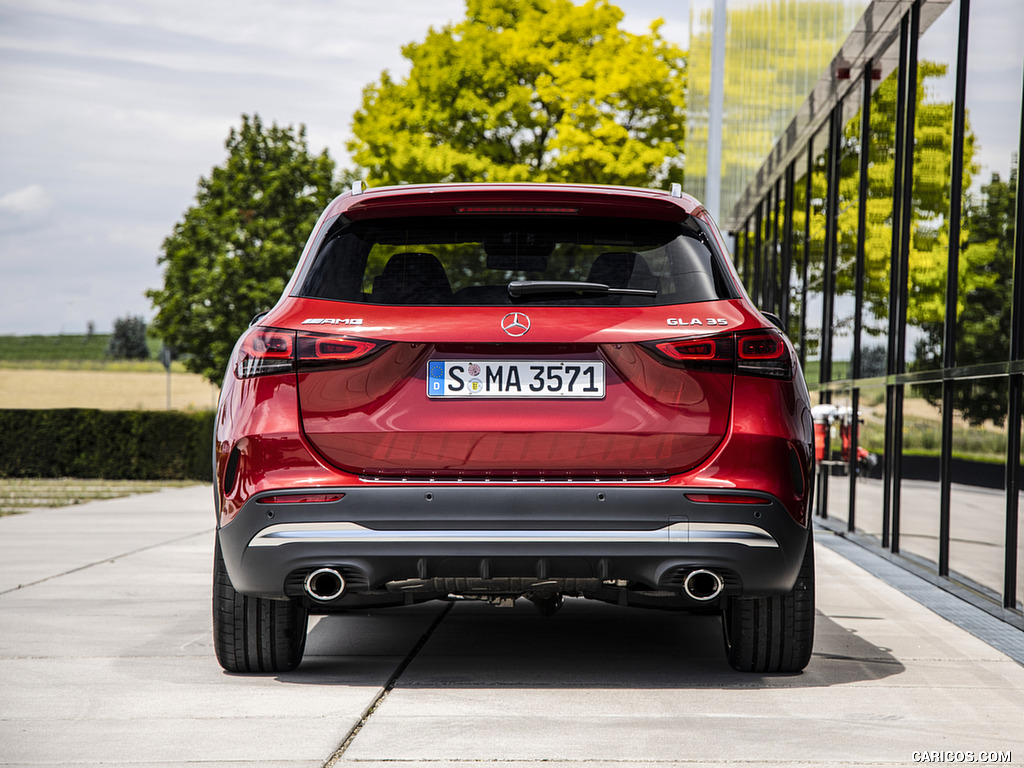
[515,323]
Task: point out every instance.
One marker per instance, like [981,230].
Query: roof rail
[358,187]
[676,189]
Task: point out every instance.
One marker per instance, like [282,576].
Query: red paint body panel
[377,419]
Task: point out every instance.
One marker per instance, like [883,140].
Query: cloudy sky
[111,110]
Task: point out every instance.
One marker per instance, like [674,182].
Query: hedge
[113,445]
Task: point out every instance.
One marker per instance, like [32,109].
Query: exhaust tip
[703,585]
[324,584]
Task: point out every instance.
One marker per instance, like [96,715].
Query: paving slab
[106,654]
[45,543]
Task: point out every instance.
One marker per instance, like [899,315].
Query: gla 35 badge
[695,321]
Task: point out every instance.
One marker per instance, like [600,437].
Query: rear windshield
[473,261]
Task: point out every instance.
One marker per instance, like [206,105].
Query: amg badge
[333,321]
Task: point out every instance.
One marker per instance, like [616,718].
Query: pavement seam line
[110,559]
[388,686]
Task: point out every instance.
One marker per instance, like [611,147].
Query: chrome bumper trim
[352,533]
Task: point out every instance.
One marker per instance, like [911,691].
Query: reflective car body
[515,390]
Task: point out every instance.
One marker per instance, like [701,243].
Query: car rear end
[495,391]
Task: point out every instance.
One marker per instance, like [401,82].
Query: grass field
[107,390]
[57,347]
[74,371]
[23,495]
[63,348]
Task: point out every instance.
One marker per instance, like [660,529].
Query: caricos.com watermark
[956,756]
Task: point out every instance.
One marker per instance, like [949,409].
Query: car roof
[513,199]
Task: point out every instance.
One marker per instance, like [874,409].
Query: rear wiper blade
[519,288]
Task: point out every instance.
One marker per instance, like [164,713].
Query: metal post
[713,179]
[894,391]
[166,356]
[1013,423]
[776,302]
[756,293]
[952,289]
[906,217]
[787,248]
[808,173]
[864,164]
[835,134]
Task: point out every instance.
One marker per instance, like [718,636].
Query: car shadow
[585,645]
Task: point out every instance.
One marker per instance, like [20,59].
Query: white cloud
[24,209]
[29,200]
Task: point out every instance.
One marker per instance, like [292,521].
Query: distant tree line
[128,341]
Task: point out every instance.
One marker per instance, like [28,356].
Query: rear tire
[254,634]
[773,634]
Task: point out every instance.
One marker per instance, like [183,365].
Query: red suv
[496,391]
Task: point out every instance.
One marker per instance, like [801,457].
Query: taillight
[316,350]
[763,353]
[698,350]
[749,353]
[706,353]
[266,351]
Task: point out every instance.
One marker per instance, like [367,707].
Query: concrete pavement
[977,523]
[106,654]
[106,659]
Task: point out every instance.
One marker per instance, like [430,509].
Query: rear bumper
[501,537]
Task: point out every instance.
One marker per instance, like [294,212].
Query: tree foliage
[231,255]
[528,90]
[128,341]
[985,304]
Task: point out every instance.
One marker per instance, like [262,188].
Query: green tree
[528,90]
[986,294]
[232,253]
[128,341]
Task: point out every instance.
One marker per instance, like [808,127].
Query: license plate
[515,379]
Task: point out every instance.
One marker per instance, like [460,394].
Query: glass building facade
[776,51]
[883,224]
